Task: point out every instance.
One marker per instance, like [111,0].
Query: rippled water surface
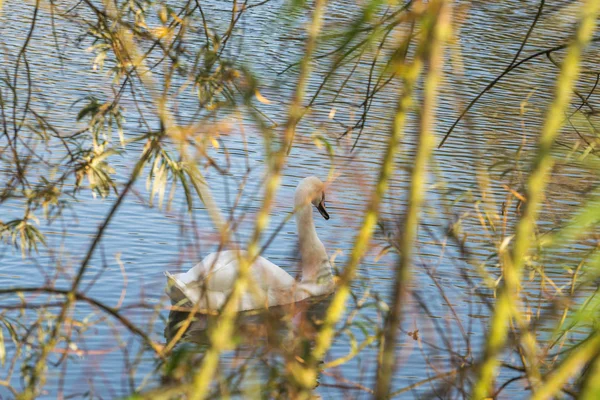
[142,241]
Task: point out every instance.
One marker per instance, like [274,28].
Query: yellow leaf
[382,253]
[161,32]
[261,98]
[318,143]
[162,14]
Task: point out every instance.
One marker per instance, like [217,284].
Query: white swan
[209,283]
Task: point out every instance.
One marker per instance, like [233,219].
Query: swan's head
[311,190]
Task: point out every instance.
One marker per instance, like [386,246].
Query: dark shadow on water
[266,342]
[300,319]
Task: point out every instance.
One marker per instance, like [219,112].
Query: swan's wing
[218,271]
[210,282]
[215,268]
[268,275]
[179,291]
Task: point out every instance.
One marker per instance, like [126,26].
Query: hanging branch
[220,337]
[506,303]
[436,29]
[306,374]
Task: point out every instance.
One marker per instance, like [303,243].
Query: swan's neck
[315,263]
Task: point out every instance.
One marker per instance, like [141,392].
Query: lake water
[142,241]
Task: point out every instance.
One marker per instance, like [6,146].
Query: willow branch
[436,27]
[306,374]
[220,337]
[536,184]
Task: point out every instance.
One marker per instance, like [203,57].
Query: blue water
[143,241]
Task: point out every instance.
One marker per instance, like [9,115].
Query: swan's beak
[322,210]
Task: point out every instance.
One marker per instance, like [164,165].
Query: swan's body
[209,283]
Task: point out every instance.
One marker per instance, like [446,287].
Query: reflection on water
[284,331]
[279,323]
[488,149]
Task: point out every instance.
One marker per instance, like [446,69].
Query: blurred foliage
[176,73]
